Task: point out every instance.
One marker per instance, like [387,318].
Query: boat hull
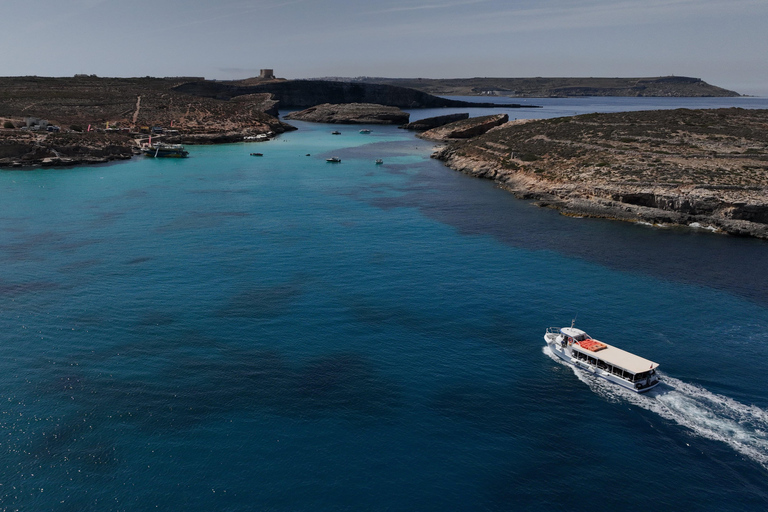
[165,151]
[563,354]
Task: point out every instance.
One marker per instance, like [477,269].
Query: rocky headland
[700,168]
[351,113]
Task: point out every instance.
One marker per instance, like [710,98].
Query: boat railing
[553,330]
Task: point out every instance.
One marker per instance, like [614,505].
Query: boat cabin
[571,334]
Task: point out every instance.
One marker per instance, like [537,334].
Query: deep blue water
[229,332]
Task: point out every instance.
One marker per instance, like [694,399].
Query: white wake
[742,427]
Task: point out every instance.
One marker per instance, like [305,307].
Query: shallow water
[228,332]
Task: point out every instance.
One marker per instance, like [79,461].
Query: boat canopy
[621,358]
[576,334]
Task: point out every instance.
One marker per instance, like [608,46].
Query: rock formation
[352,113]
[704,168]
[433,122]
[465,129]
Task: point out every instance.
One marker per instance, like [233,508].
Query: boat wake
[742,427]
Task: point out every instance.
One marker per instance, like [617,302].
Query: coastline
[667,168]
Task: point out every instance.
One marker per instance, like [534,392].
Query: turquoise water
[230,332]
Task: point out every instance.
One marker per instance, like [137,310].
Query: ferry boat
[578,348]
[163,150]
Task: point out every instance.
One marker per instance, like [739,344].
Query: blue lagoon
[225,332]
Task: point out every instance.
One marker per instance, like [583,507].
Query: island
[564,87]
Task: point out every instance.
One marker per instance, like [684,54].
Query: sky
[723,42]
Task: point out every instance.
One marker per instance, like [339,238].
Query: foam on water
[709,415]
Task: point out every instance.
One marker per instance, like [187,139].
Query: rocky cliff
[704,168]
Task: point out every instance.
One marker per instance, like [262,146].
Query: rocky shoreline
[704,169]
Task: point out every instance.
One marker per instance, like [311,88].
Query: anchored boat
[163,150]
[576,347]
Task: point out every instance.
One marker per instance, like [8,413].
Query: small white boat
[333,159]
[163,150]
[365,130]
[379,161]
[577,348]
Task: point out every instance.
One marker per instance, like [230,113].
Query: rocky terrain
[706,168]
[433,122]
[116,110]
[666,86]
[131,103]
[465,129]
[351,113]
[99,119]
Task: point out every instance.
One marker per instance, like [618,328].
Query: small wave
[742,427]
[707,227]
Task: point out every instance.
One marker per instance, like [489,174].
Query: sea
[230,332]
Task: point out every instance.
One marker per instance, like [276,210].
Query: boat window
[592,360]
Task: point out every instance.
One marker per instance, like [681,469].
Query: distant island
[664,86]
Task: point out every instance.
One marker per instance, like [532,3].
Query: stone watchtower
[267,73]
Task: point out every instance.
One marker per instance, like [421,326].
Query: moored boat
[163,150]
[577,348]
[333,159]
